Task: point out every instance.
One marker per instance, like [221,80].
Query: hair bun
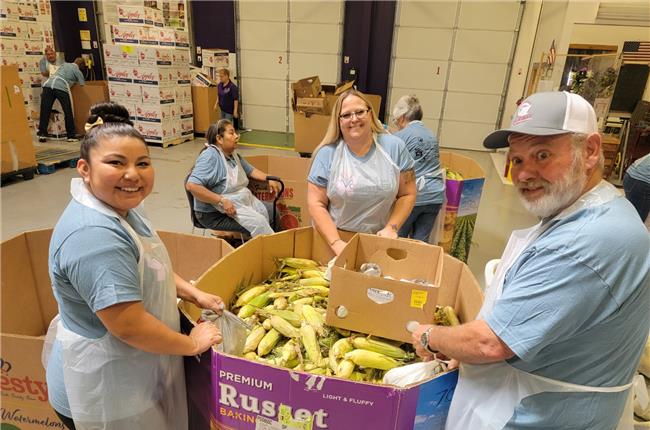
[109,112]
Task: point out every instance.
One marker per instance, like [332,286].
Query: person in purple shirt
[228,96]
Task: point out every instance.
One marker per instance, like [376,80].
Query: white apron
[251,213]
[488,394]
[111,385]
[54,77]
[362,193]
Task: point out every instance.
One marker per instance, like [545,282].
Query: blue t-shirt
[640,169]
[423,147]
[575,308]
[395,148]
[93,264]
[68,72]
[210,171]
[227,95]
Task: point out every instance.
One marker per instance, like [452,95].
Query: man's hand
[275,187]
[204,336]
[228,207]
[416,337]
[209,301]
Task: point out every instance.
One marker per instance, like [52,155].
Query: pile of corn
[287,314]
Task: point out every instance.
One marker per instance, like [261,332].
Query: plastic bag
[233,329]
[413,373]
[50,338]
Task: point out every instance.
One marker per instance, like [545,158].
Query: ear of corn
[289,350]
[288,315]
[299,263]
[312,273]
[246,311]
[380,347]
[284,327]
[268,342]
[254,338]
[313,318]
[371,359]
[250,355]
[280,303]
[249,295]
[451,316]
[310,343]
[345,368]
[309,282]
[267,324]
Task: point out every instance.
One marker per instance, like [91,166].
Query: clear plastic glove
[328,271]
[204,336]
[209,301]
[228,207]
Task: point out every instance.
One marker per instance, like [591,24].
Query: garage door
[281,42]
[455,57]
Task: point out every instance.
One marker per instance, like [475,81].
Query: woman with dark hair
[361,178]
[219,184]
[116,358]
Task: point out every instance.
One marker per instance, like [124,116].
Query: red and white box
[187,126]
[183,92]
[166,37]
[119,73]
[154,113]
[34,31]
[185,109]
[156,132]
[10,46]
[153,17]
[6,60]
[33,47]
[125,34]
[13,29]
[181,57]
[182,39]
[27,12]
[183,75]
[31,79]
[158,94]
[130,15]
[123,91]
[120,55]
[8,10]
[218,58]
[151,57]
[148,36]
[145,75]
[30,63]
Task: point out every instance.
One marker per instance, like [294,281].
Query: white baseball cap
[547,114]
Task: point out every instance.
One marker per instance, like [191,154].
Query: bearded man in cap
[565,320]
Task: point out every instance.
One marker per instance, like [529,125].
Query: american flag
[636,52]
[551,54]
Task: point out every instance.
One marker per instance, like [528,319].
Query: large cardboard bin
[203,101]
[16,140]
[28,306]
[227,392]
[379,306]
[84,97]
[463,198]
[292,206]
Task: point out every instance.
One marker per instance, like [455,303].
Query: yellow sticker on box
[418,298]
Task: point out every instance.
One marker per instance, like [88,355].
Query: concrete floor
[38,203]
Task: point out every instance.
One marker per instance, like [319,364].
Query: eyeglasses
[359,114]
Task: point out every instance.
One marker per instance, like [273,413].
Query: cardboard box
[33,48]
[309,129]
[185,109]
[153,113]
[181,57]
[121,91]
[217,58]
[13,29]
[85,96]
[28,306]
[200,79]
[292,206]
[158,94]
[379,306]
[203,101]
[156,132]
[183,92]
[148,36]
[153,17]
[166,36]
[462,201]
[233,393]
[307,87]
[27,12]
[15,138]
[124,34]
[312,105]
[8,10]
[119,73]
[181,39]
[187,127]
[152,56]
[183,75]
[10,46]
[120,55]
[130,15]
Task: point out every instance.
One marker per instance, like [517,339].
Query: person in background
[49,63]
[429,181]
[565,320]
[227,96]
[219,183]
[361,178]
[57,87]
[636,184]
[116,359]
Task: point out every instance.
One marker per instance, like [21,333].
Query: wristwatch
[424,340]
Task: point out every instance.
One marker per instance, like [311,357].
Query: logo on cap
[522,113]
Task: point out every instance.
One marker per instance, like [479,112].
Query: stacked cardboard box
[25,31]
[213,61]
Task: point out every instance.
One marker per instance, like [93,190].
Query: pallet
[49,158]
[27,174]
[176,141]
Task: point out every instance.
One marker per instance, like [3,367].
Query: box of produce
[293,370]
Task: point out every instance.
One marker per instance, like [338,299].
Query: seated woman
[219,184]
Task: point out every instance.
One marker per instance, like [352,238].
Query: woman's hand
[208,301]
[204,336]
[228,207]
[275,187]
[388,231]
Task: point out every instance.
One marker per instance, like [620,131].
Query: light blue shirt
[423,147]
[395,148]
[575,308]
[210,171]
[640,169]
[68,72]
[93,265]
[43,63]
